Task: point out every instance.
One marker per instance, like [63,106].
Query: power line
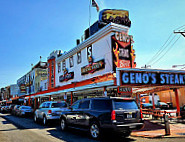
[160,50]
[179,28]
[166,51]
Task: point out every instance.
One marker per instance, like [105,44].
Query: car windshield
[125,104]
[56,105]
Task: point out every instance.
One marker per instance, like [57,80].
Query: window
[75,105]
[79,58]
[102,104]
[63,65]
[71,63]
[59,67]
[84,104]
[122,104]
[47,105]
[58,105]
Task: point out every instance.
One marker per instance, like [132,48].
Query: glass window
[71,63]
[125,104]
[79,58]
[47,105]
[102,104]
[59,67]
[75,105]
[56,105]
[84,104]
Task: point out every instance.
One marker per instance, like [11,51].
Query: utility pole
[180,32]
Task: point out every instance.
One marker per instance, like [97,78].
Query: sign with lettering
[123,53]
[66,76]
[152,78]
[115,16]
[92,67]
[124,90]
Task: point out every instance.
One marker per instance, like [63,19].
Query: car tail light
[113,115]
[49,111]
[141,113]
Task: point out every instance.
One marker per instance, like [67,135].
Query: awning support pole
[153,101]
[71,98]
[177,101]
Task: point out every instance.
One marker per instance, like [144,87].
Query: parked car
[25,110]
[15,109]
[147,106]
[117,114]
[162,105]
[3,109]
[10,108]
[182,112]
[50,110]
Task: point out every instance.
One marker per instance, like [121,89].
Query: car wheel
[44,120]
[126,134]
[35,118]
[63,124]
[94,130]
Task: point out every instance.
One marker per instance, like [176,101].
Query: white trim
[112,27]
[90,86]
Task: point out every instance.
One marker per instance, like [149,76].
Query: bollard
[167,125]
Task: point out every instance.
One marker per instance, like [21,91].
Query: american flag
[94,4]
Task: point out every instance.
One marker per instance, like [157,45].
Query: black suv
[117,114]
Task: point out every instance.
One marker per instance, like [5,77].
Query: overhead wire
[167,51]
[158,56]
[160,50]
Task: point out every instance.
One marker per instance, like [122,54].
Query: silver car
[24,110]
[50,110]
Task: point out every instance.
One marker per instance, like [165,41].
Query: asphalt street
[17,129]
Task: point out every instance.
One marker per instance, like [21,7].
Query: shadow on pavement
[149,126]
[72,135]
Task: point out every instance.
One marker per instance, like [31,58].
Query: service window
[84,104]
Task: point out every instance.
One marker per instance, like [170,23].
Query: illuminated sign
[22,88]
[66,76]
[115,16]
[152,78]
[92,67]
[123,52]
[124,90]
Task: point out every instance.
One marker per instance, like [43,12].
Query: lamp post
[175,66]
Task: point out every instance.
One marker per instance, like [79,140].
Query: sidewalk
[156,129]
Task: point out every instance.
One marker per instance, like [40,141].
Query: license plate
[129,115]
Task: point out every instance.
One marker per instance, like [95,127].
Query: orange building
[169,96]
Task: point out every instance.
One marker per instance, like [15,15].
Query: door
[71,116]
[82,115]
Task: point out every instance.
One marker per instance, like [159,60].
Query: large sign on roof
[115,16]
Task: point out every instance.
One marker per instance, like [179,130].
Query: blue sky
[34,28]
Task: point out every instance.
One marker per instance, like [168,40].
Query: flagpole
[89,15]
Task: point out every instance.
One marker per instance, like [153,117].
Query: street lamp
[175,66]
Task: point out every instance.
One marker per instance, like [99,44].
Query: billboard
[115,16]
